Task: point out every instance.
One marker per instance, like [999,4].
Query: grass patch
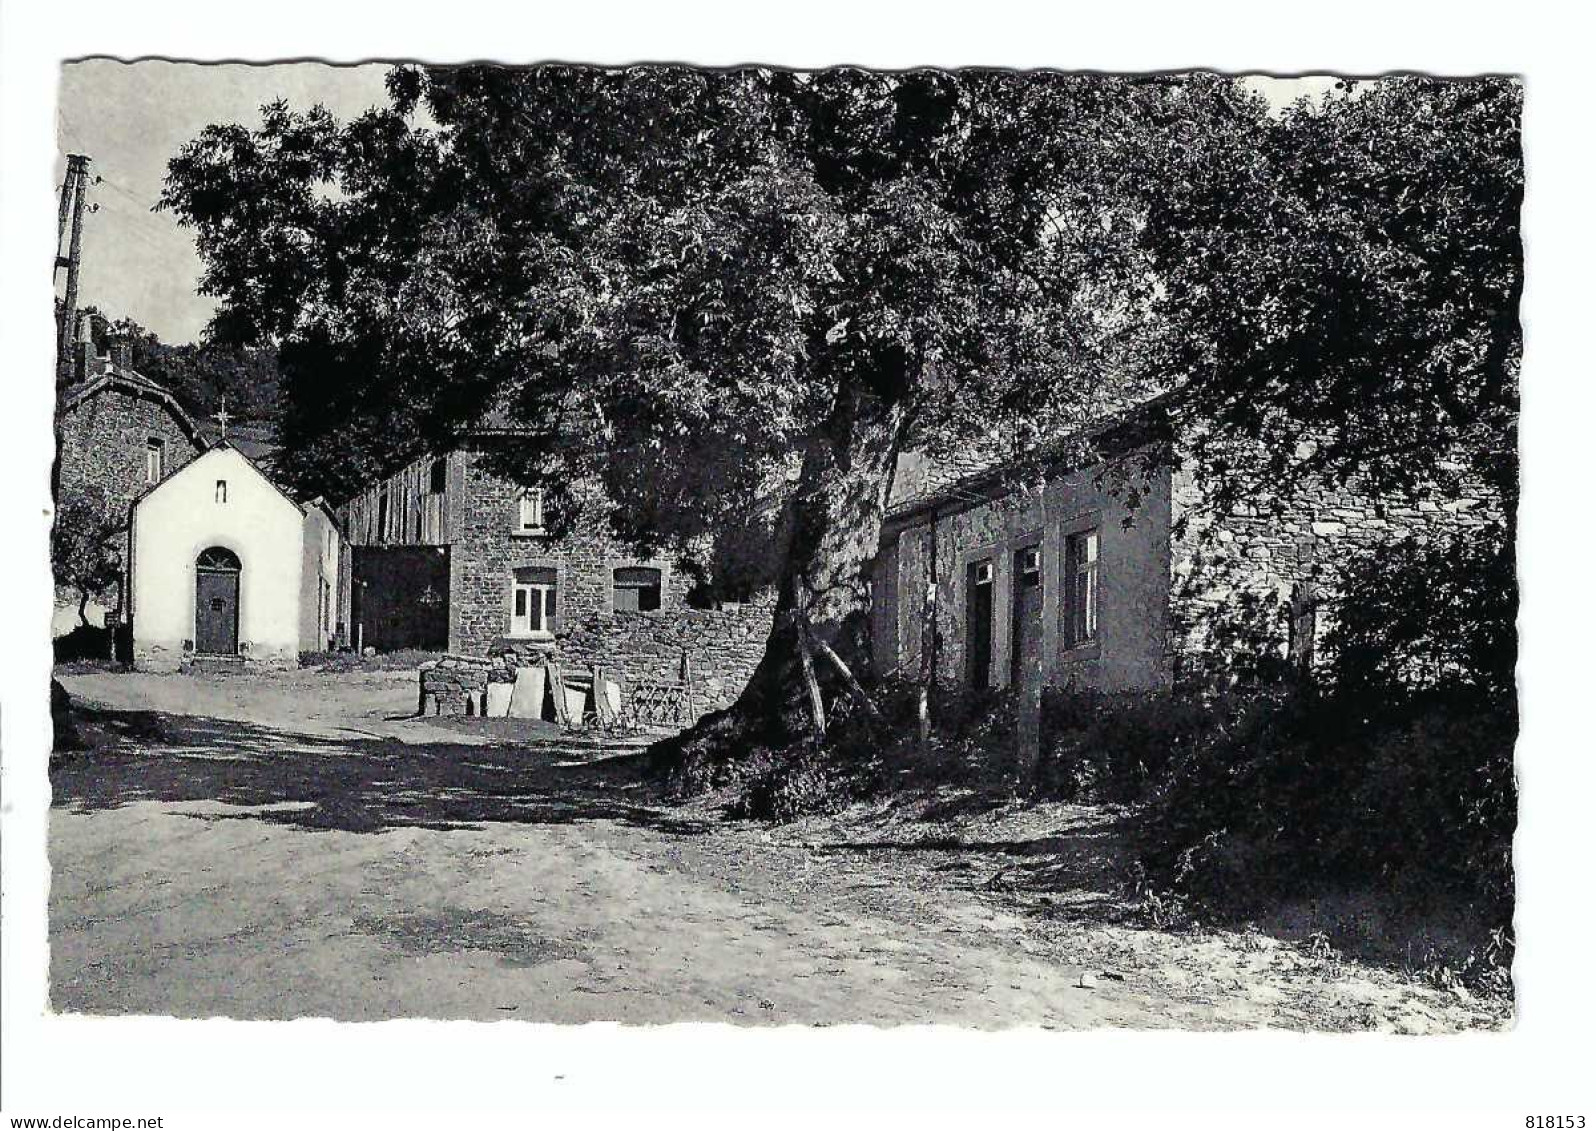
[406,659]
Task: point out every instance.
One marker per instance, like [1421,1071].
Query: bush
[1424,615]
[1289,795]
[806,779]
[405,659]
[1103,747]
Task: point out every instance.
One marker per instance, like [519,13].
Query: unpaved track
[293,847]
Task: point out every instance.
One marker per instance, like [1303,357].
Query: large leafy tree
[199,374]
[707,291]
[1348,272]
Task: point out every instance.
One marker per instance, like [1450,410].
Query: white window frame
[1082,585]
[154,459]
[529,506]
[534,606]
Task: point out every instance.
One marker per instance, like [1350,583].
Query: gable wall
[173,524]
[100,452]
[1236,572]
[102,443]
[414,515]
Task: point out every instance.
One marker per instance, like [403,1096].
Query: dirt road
[297,847]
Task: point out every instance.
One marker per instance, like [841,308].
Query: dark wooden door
[216,612]
[978,623]
[1027,638]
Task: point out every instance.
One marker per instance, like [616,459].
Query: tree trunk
[835,534]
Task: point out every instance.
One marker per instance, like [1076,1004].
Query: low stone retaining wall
[642,652]
[458,685]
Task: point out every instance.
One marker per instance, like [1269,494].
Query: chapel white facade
[227,567]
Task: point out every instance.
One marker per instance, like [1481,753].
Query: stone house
[1110,574]
[446,555]
[117,434]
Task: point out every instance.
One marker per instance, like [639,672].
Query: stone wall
[722,646]
[455,685]
[1236,576]
[488,549]
[101,442]
[478,517]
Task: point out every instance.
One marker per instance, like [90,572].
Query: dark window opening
[637,589]
[1302,617]
[440,473]
[978,624]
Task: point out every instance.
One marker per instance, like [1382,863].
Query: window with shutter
[529,512]
[637,589]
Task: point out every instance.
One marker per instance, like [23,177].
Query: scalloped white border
[129,1066]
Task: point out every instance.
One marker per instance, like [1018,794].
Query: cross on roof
[222,418]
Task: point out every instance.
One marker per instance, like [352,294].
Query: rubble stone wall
[101,446]
[1249,562]
[722,647]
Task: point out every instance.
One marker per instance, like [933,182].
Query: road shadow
[1073,872]
[354,783]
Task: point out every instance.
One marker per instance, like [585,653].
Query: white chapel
[229,570]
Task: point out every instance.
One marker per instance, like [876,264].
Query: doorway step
[214,665]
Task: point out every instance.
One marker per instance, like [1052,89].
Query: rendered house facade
[1113,576]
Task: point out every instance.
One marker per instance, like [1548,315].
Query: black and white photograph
[550,542]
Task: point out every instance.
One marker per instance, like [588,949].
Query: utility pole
[75,187]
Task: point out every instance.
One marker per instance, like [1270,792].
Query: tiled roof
[920,480]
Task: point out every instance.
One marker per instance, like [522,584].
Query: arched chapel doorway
[216,574]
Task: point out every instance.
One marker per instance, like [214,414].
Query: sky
[130,118]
